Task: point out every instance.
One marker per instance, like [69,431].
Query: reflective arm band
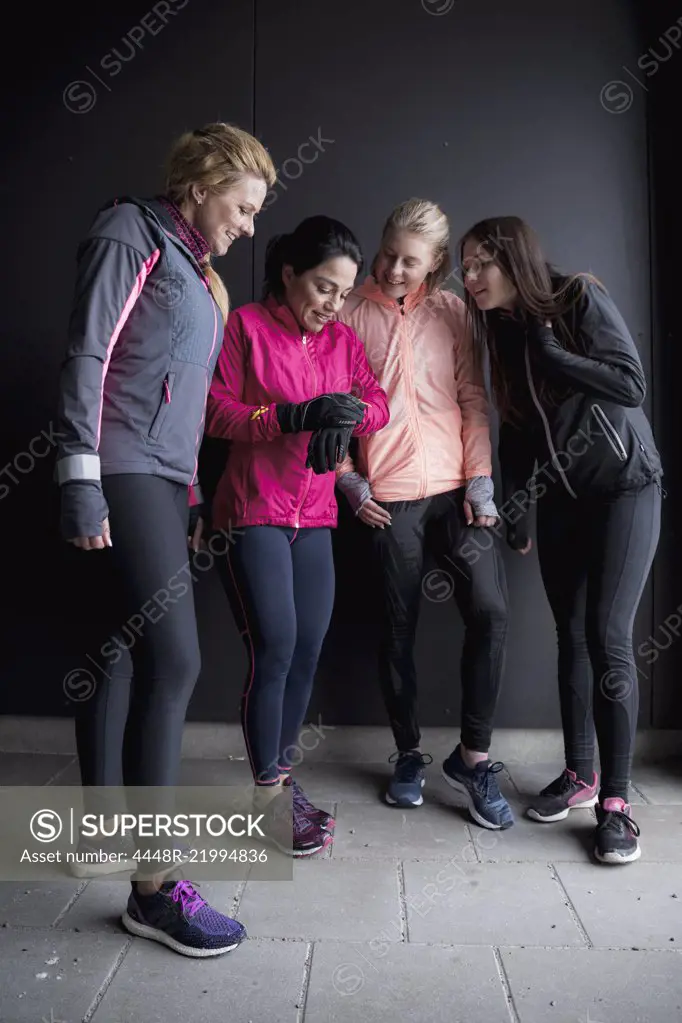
[78,467]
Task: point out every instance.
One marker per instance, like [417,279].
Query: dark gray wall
[487,109]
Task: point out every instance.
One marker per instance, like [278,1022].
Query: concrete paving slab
[382,981]
[31,769]
[660,783]
[329,899]
[627,906]
[53,976]
[35,904]
[489,904]
[258,982]
[594,985]
[428,832]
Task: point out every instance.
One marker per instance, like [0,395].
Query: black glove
[326,410]
[328,447]
[196,512]
[83,508]
[517,535]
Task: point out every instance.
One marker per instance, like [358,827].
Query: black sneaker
[565,793]
[405,787]
[178,917]
[616,837]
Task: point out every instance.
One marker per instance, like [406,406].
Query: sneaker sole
[403,801]
[462,789]
[614,859]
[563,814]
[100,869]
[145,931]
[299,853]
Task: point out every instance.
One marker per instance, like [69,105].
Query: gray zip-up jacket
[144,338]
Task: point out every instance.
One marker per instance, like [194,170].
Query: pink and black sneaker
[178,917]
[291,830]
[302,803]
[567,792]
[616,837]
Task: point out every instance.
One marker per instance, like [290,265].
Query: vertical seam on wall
[255,135]
[654,355]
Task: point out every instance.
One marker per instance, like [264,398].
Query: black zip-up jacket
[594,438]
[144,338]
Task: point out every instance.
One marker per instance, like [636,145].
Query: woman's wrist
[356,489]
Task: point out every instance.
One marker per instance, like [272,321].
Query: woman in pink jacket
[282,395]
[424,484]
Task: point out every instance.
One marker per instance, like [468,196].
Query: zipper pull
[304,340]
[166,391]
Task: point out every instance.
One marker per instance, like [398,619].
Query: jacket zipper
[548,434]
[610,432]
[208,385]
[408,362]
[304,342]
[166,391]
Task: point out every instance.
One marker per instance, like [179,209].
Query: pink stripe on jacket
[266,360]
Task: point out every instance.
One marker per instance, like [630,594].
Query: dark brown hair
[543,294]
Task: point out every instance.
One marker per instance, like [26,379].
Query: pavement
[413,915]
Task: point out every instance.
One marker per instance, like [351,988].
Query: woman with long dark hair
[291,387]
[568,383]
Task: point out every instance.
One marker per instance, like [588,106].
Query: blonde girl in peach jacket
[423,484]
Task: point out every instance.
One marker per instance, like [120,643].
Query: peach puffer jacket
[423,357]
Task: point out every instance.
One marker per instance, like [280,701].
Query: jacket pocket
[610,432]
[646,458]
[164,405]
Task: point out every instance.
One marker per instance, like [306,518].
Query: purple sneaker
[302,803]
[291,830]
[177,916]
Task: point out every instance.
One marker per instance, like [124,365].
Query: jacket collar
[284,318]
[370,290]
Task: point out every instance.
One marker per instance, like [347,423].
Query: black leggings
[472,570]
[145,656]
[280,585]
[595,557]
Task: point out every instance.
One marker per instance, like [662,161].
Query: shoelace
[190,900]
[409,764]
[562,784]
[618,820]
[300,820]
[486,781]
[300,799]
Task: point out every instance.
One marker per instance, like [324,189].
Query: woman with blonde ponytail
[424,486]
[145,331]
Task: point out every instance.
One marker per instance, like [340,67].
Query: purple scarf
[193,239]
